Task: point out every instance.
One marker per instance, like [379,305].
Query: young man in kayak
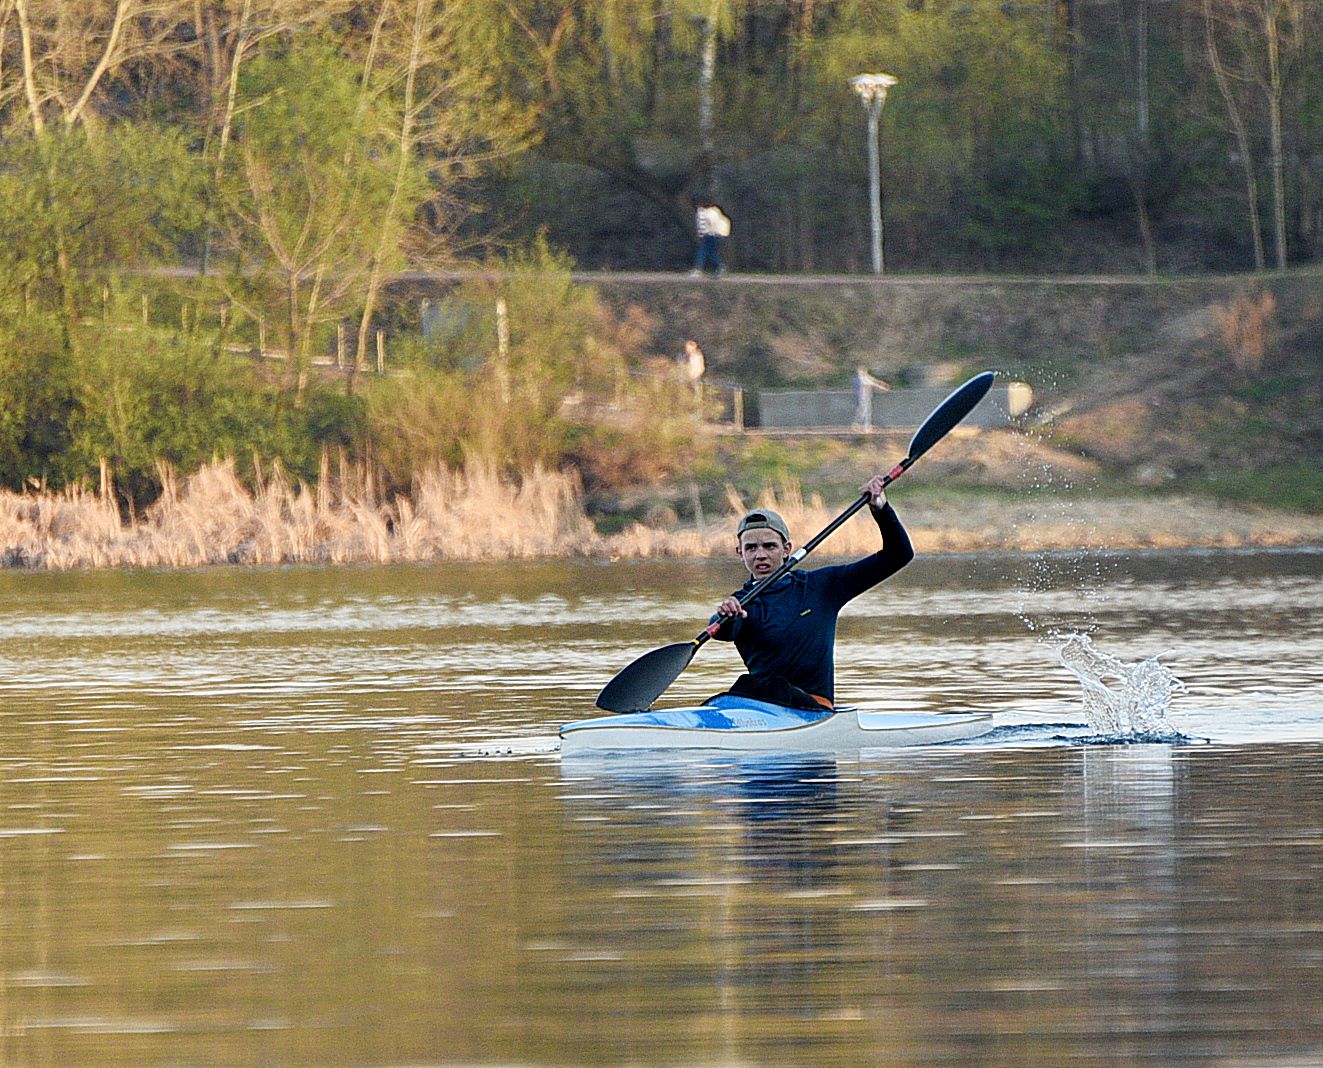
[787,636]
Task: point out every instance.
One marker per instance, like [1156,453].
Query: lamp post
[872,90]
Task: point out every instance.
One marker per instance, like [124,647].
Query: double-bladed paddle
[646,679]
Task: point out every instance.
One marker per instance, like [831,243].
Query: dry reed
[213,518]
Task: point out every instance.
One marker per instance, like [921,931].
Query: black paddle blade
[638,685]
[947,414]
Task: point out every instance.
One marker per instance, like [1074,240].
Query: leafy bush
[144,395]
[524,369]
[77,205]
[417,419]
[652,434]
[36,400]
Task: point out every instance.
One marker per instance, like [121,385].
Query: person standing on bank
[693,365]
[712,225]
[787,636]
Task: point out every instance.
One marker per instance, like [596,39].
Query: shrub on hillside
[143,395]
[642,434]
[1246,324]
[526,369]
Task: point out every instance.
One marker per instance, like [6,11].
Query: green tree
[36,400]
[971,132]
[647,94]
[227,34]
[78,207]
[666,98]
[310,166]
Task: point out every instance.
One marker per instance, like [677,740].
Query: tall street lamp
[872,90]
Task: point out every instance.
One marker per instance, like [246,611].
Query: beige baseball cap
[760,518]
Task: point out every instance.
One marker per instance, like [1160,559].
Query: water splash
[1054,490]
[1121,699]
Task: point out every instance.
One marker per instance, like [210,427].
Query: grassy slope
[1140,386]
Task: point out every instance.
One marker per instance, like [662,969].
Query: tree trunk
[226,127]
[1141,72]
[1068,20]
[1276,161]
[707,73]
[123,8]
[1139,189]
[405,148]
[29,74]
[294,333]
[305,340]
[1241,132]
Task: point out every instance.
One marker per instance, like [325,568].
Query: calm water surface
[241,824]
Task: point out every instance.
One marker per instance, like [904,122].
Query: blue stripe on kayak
[724,713]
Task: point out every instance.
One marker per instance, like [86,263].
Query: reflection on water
[997,910]
[234,828]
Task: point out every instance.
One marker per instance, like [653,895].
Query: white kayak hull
[745,725]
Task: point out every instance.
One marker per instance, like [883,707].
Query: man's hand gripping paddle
[646,679]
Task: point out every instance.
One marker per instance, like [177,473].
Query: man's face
[762,551]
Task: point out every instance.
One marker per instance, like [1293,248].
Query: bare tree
[425,67]
[227,33]
[1252,48]
[303,178]
[1240,128]
[69,52]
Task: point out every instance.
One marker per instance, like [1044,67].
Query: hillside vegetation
[1212,386]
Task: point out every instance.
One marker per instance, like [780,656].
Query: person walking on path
[864,387]
[787,636]
[712,226]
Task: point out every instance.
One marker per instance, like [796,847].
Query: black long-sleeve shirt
[791,626]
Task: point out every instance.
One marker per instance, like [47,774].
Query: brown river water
[243,821]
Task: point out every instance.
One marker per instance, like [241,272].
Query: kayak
[743,723]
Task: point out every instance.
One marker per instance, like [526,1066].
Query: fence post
[503,348]
[737,408]
[502,328]
[339,344]
[381,353]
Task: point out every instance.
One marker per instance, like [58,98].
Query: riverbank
[213,519]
